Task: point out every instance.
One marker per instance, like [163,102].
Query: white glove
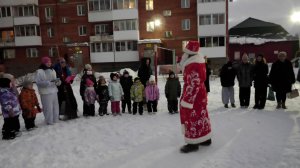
[58,83]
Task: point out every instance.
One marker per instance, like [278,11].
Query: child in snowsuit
[10,110]
[126,82]
[172,91]
[90,97]
[116,94]
[152,96]
[103,96]
[137,94]
[29,104]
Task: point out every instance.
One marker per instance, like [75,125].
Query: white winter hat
[88,66]
[152,78]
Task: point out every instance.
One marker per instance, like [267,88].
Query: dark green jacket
[172,89]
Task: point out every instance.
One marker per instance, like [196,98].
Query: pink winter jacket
[152,93]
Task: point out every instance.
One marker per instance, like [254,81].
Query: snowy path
[241,138]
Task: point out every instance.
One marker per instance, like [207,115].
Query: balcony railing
[7,43]
[103,37]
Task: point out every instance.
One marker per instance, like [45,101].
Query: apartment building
[109,34]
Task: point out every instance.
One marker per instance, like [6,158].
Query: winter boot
[205,143]
[255,106]
[233,105]
[278,106]
[189,148]
[226,105]
[283,106]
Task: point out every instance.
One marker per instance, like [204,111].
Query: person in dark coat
[172,92]
[260,74]
[103,96]
[208,73]
[87,74]
[66,99]
[126,83]
[227,77]
[145,70]
[245,78]
[298,75]
[281,78]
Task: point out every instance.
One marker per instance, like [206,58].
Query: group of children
[13,104]
[125,90]
[120,89]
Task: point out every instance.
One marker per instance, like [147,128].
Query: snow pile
[245,138]
[252,40]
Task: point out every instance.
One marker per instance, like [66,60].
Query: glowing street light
[295,17]
[157,22]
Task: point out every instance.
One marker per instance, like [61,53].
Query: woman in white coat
[47,83]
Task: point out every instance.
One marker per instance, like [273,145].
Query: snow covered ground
[245,138]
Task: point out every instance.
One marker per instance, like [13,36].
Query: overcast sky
[276,11]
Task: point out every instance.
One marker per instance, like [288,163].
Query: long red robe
[194,117]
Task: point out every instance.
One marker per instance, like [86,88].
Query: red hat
[46,60]
[192,47]
[89,82]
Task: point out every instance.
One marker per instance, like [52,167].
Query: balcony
[7,43]
[26,20]
[126,35]
[211,30]
[28,41]
[6,22]
[102,57]
[99,38]
[108,15]
[127,56]
[213,7]
[214,52]
[18,2]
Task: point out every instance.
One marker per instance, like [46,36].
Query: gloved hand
[39,109]
[111,98]
[58,82]
[122,97]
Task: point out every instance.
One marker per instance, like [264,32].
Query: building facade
[109,34]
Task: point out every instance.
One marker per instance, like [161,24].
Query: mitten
[111,98]
[39,109]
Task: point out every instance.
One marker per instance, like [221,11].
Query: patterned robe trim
[186,105]
[195,140]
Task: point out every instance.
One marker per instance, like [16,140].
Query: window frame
[32,52]
[185,4]
[81,30]
[81,10]
[186,24]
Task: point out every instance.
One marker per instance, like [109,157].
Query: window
[185,24]
[9,54]
[50,32]
[30,10]
[49,12]
[97,5]
[121,46]
[82,30]
[205,1]
[218,18]
[5,11]
[7,36]
[149,5]
[204,19]
[150,26]
[216,41]
[27,30]
[81,10]
[124,25]
[102,47]
[184,43]
[101,29]
[124,4]
[168,34]
[53,52]
[185,3]
[131,45]
[167,13]
[32,52]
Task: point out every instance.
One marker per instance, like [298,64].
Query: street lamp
[157,22]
